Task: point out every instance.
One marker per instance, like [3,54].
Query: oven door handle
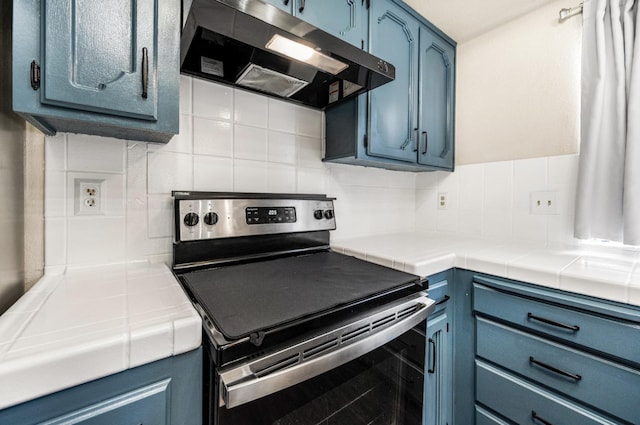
[241,385]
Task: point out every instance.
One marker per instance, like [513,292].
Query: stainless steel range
[295,333]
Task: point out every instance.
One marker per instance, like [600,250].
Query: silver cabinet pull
[145,72]
[301,9]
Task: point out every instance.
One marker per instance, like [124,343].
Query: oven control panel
[212,218]
[264,215]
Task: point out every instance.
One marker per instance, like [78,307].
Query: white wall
[230,140]
[518,89]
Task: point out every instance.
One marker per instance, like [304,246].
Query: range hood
[258,47]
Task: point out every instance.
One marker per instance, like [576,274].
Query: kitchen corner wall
[229,140]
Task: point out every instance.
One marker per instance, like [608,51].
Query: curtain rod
[566,13]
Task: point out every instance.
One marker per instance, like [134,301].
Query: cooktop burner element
[249,298]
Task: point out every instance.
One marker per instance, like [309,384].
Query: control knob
[317,214]
[211,218]
[328,214]
[191,219]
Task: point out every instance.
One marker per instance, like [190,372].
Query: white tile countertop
[92,322]
[611,273]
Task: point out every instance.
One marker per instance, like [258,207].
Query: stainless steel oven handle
[251,388]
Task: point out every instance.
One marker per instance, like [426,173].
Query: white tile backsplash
[232,140]
[212,137]
[250,143]
[212,173]
[212,100]
[251,109]
[94,153]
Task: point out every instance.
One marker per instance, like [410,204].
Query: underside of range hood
[229,41]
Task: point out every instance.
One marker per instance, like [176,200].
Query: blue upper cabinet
[436,100]
[407,124]
[110,69]
[342,18]
[345,19]
[82,70]
[393,107]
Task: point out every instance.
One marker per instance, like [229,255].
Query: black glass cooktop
[249,298]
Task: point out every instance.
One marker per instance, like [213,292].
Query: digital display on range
[264,215]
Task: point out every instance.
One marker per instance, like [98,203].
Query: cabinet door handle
[535,417]
[301,9]
[145,72]
[417,139]
[286,2]
[443,300]
[426,142]
[554,369]
[574,328]
[34,74]
[432,344]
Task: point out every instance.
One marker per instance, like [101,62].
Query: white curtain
[608,196]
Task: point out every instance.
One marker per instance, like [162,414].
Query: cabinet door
[100,58]
[286,5]
[438,372]
[393,110]
[436,100]
[341,18]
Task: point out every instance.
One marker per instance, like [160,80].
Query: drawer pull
[432,343]
[554,369]
[535,417]
[574,328]
[443,300]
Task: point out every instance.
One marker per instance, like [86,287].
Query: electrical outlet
[442,201]
[544,203]
[89,196]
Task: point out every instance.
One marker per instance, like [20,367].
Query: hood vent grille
[266,80]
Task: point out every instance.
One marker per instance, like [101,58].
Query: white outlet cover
[544,203]
[86,203]
[443,201]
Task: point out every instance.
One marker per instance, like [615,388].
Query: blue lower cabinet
[545,356]
[438,371]
[525,403]
[575,374]
[166,392]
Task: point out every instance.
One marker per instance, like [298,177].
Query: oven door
[370,373]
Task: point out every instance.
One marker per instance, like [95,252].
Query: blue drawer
[602,384]
[528,404]
[484,417]
[616,338]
